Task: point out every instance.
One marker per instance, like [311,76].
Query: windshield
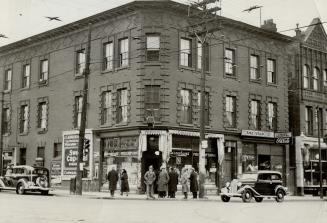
[40,171]
[249,176]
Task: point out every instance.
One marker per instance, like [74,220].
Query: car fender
[280,187]
[2,183]
[255,193]
[23,181]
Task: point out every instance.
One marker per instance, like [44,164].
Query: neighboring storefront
[307,164]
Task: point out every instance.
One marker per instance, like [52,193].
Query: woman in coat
[194,186]
[124,186]
[163,182]
[173,181]
[184,182]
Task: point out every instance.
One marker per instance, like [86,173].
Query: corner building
[144,95]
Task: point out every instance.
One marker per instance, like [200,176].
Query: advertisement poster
[70,152]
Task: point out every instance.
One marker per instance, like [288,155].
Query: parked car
[257,185]
[26,178]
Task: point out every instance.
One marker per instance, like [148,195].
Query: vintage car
[257,185]
[26,178]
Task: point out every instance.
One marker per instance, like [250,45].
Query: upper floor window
[42,115]
[8,77]
[108,56]
[186,110]
[272,116]
[230,109]
[57,148]
[315,78]
[122,106]
[80,61]
[78,111]
[152,101]
[44,70]
[206,107]
[306,72]
[185,52]
[5,120]
[271,71]
[325,78]
[26,76]
[255,114]
[40,152]
[229,61]
[24,113]
[152,48]
[308,120]
[123,52]
[254,67]
[106,108]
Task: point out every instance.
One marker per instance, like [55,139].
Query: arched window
[306,72]
[315,77]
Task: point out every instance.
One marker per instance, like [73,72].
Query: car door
[276,180]
[263,184]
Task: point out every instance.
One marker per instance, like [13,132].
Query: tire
[280,196]
[225,198]
[247,196]
[258,199]
[45,192]
[20,189]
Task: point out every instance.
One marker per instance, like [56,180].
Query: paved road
[48,209]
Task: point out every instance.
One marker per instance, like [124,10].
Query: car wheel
[247,196]
[225,198]
[20,189]
[258,199]
[280,196]
[45,192]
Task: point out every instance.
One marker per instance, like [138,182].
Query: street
[56,208]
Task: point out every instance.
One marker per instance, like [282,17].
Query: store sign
[180,153]
[283,134]
[254,133]
[55,168]
[283,140]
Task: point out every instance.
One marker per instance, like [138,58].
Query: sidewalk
[179,197]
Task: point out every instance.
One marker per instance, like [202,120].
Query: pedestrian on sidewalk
[173,181]
[184,182]
[113,179]
[149,178]
[163,182]
[124,185]
[194,186]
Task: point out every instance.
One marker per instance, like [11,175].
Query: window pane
[185,52]
[108,56]
[123,52]
[153,42]
[229,61]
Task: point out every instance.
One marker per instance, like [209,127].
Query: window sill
[182,68]
[43,83]
[25,89]
[123,68]
[272,84]
[105,126]
[6,134]
[229,76]
[233,129]
[121,124]
[186,124]
[7,91]
[78,76]
[256,81]
[42,131]
[107,71]
[23,134]
[152,63]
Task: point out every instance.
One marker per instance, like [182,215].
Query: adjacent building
[144,95]
[308,106]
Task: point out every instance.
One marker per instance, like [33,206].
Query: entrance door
[151,158]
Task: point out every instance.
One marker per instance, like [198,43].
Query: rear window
[275,177]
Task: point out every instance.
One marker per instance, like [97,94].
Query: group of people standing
[169,181]
[113,179]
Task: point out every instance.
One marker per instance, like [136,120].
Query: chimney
[269,25]
[298,32]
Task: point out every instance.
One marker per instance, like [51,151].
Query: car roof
[269,171]
[29,167]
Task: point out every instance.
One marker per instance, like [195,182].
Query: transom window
[186,110]
[271,71]
[254,67]
[122,106]
[26,76]
[8,77]
[152,48]
[229,61]
[230,109]
[108,56]
[80,61]
[123,52]
[185,52]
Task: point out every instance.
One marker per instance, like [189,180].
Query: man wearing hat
[149,178]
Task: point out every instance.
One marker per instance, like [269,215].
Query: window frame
[306,76]
[271,71]
[152,51]
[123,52]
[230,113]
[308,120]
[6,116]
[255,117]
[57,150]
[24,118]
[272,116]
[38,151]
[325,78]
[122,106]
[206,107]
[229,63]
[44,74]
[108,59]
[42,119]
[106,109]
[78,111]
[151,105]
[8,80]
[26,78]
[255,68]
[80,62]
[186,106]
[185,55]
[315,78]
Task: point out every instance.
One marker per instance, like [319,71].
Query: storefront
[307,165]
[7,159]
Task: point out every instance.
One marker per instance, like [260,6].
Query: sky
[20,19]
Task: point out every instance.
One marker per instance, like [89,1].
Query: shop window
[255,114]
[44,70]
[57,148]
[108,55]
[311,168]
[152,47]
[249,158]
[22,156]
[106,108]
[185,52]
[272,116]
[24,114]
[230,109]
[122,106]
[186,109]
[309,120]
[7,82]
[306,72]
[229,61]
[5,120]
[78,111]
[152,101]
[206,107]
[271,71]
[80,61]
[315,79]
[42,122]
[254,67]
[264,162]
[123,52]
[26,76]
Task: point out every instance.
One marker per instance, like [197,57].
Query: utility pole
[319,118]
[205,14]
[79,168]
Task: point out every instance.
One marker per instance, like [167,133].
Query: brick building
[308,105]
[143,105]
